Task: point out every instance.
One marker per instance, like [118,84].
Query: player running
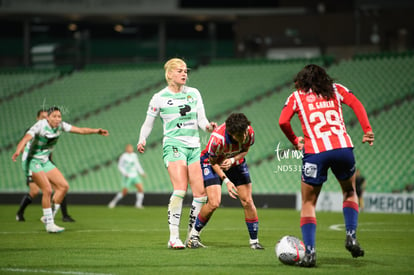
[182,111]
[223,161]
[317,101]
[131,170]
[38,144]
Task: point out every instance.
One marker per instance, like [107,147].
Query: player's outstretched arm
[88,131]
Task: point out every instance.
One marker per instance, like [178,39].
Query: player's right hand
[300,144]
[368,137]
[15,155]
[141,147]
[226,164]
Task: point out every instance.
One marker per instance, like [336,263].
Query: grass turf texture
[126,240]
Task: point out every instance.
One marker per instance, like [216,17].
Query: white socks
[174,213]
[140,199]
[117,198]
[47,213]
[195,210]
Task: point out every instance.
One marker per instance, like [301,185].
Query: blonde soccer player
[181,110]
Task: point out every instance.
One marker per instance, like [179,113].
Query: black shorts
[238,175]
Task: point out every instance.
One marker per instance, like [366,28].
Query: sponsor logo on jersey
[310,98]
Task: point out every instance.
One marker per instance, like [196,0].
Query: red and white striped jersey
[322,120]
[222,146]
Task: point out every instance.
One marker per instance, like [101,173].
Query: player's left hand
[231,188]
[210,128]
[103,132]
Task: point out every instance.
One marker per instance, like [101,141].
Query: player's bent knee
[248,203]
[47,191]
[213,204]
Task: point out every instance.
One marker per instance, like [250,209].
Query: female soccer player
[223,162]
[182,112]
[131,170]
[317,101]
[38,144]
[34,189]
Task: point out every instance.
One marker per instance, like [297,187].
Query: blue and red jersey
[222,146]
[322,119]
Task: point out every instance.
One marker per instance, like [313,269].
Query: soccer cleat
[176,244]
[43,219]
[67,218]
[112,204]
[19,217]
[352,245]
[256,246]
[195,242]
[309,260]
[53,228]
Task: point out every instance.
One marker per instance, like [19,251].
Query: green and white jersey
[44,140]
[181,114]
[129,165]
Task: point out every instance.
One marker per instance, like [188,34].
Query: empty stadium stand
[116,97]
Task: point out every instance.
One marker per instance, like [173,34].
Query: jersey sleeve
[251,135]
[214,145]
[154,106]
[201,113]
[352,101]
[152,112]
[284,120]
[146,128]
[35,129]
[66,126]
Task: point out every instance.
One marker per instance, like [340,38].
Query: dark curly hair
[237,123]
[315,77]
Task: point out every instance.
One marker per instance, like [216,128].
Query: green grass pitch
[126,240]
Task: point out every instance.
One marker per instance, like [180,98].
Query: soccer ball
[290,250]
